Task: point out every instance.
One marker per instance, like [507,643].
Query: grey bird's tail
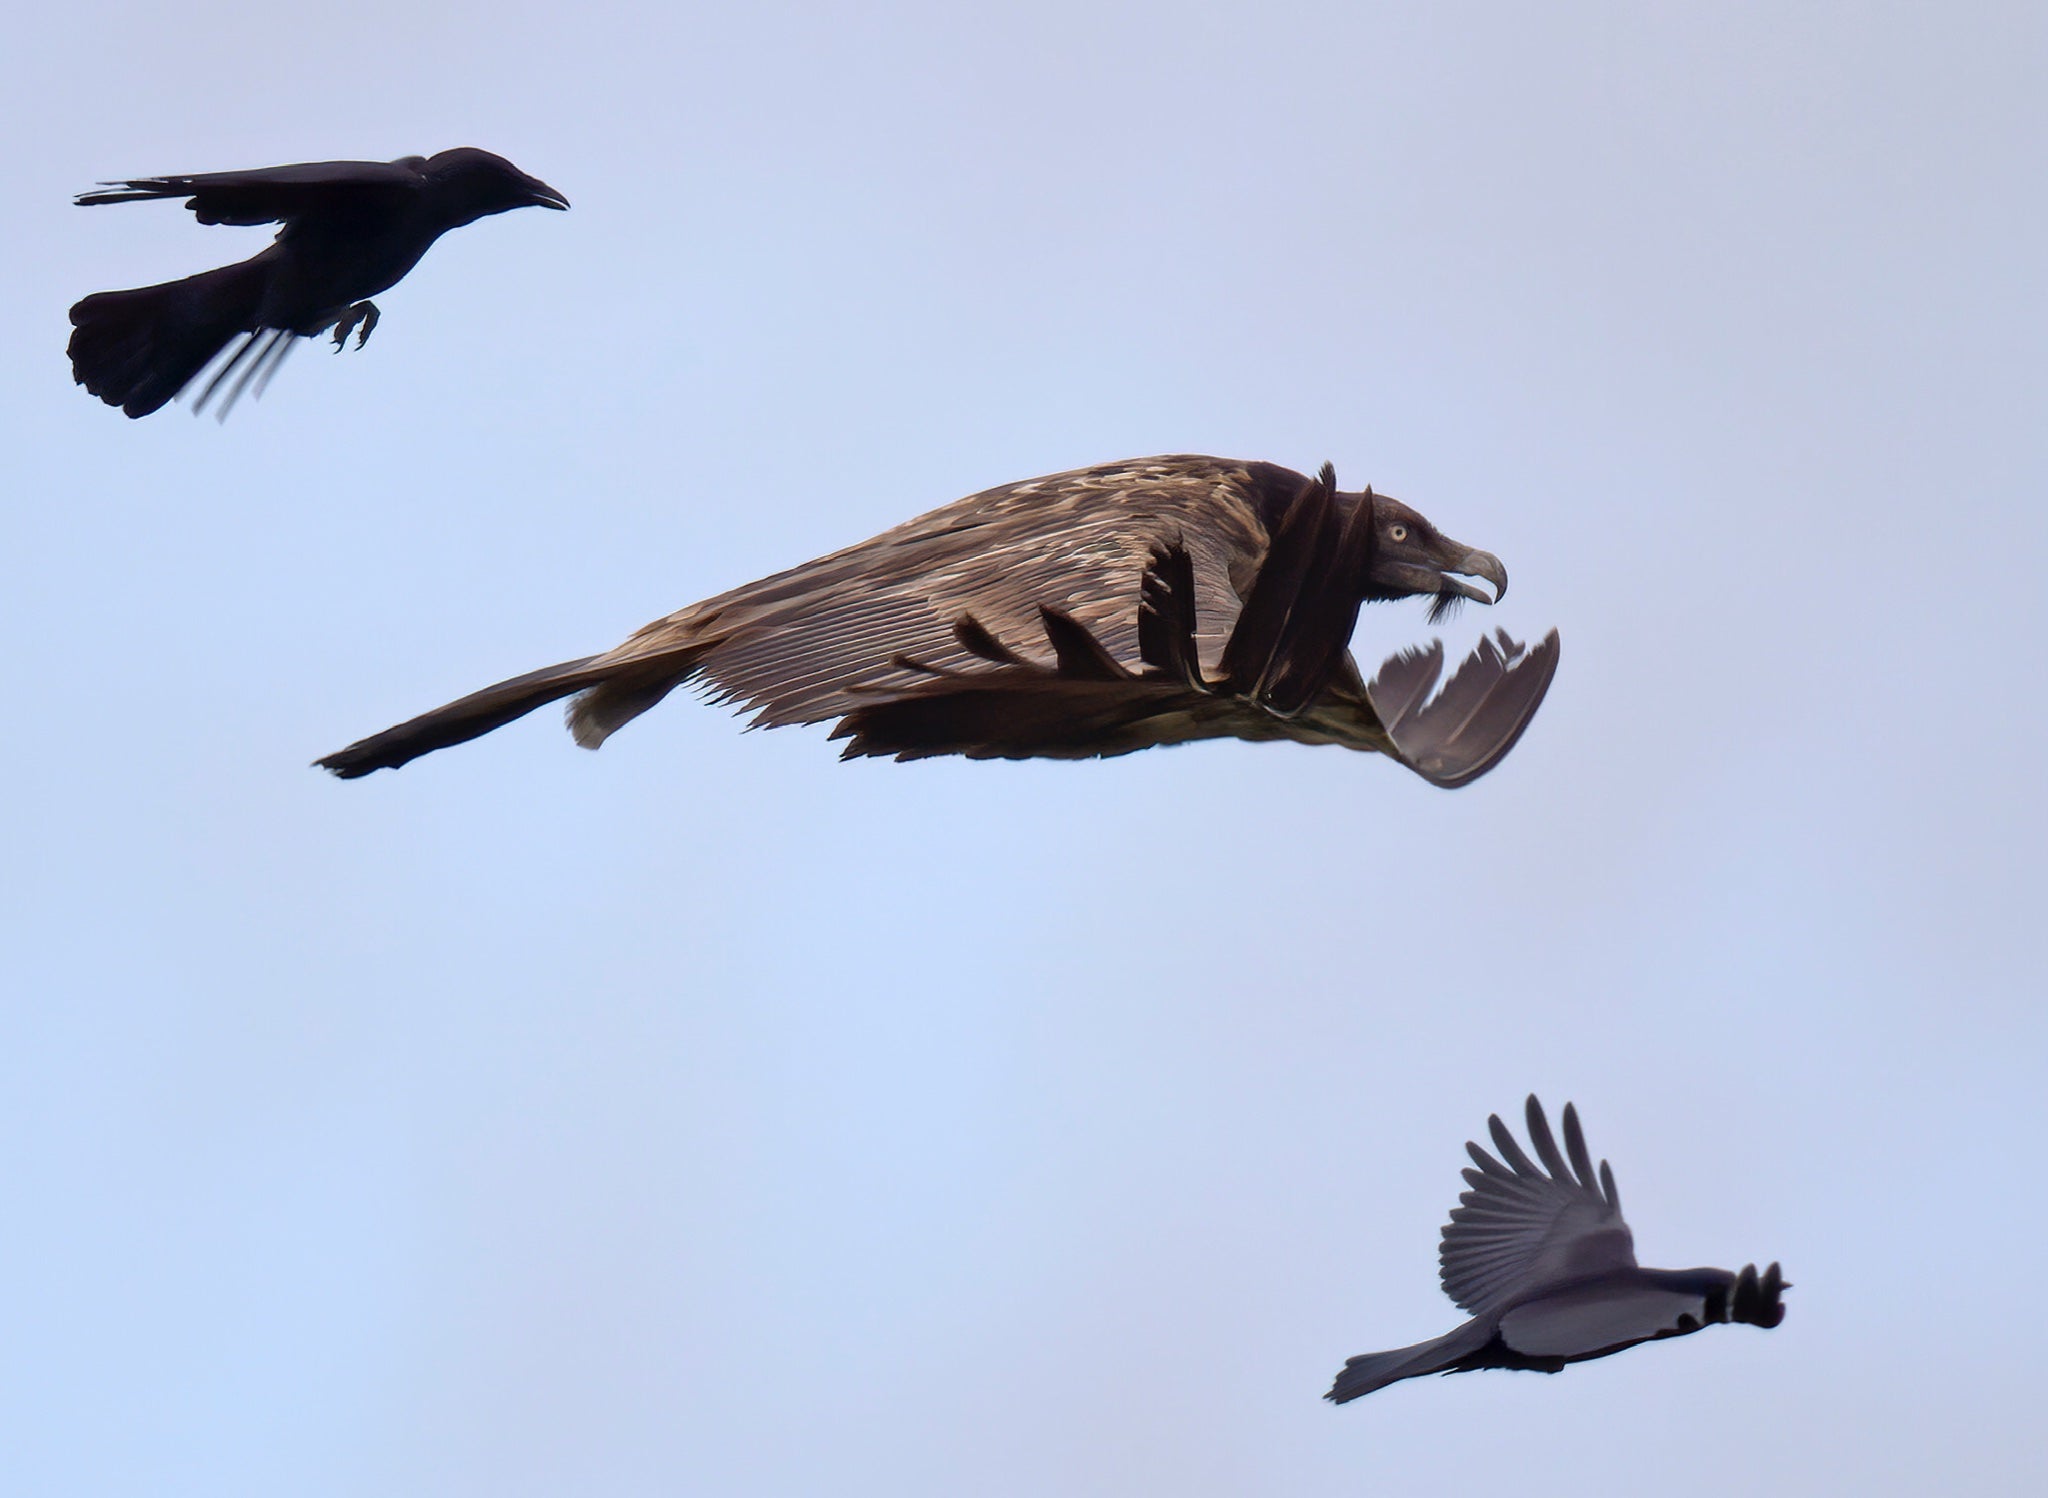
[137,349]
[1375,1370]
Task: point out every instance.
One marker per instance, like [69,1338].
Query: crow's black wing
[276,194]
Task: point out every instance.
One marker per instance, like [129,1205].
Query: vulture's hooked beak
[1475,563]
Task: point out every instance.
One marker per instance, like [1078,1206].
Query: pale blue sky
[705,1116]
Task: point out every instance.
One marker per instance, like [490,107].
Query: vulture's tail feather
[137,349]
[462,720]
[613,693]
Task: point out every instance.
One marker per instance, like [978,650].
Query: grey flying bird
[1089,613]
[1541,1258]
[351,229]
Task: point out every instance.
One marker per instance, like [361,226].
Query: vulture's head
[474,184]
[1411,557]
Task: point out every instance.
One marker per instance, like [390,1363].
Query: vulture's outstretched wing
[1286,648]
[1086,704]
[1470,725]
[274,194]
[1520,1230]
[1286,645]
[789,646]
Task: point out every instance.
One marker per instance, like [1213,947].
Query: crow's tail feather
[138,349]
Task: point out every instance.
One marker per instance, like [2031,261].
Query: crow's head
[473,184]
[1412,557]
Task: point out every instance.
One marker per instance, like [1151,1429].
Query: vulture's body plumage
[350,229]
[1541,1258]
[1084,614]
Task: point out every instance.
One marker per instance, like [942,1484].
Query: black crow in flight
[351,229]
[1089,613]
[1541,1258]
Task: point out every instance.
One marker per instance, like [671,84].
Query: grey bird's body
[350,229]
[1540,1256]
[1084,614]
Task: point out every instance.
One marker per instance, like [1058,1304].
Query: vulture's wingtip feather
[1478,716]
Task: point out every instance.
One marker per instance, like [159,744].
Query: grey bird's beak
[1477,563]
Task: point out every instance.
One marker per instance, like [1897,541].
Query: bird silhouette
[1541,1258]
[350,230]
[1161,600]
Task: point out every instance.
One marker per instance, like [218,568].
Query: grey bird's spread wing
[277,194]
[1524,1227]
[793,646]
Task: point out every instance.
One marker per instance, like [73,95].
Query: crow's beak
[540,195]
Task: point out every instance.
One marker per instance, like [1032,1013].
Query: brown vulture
[1090,613]
[351,229]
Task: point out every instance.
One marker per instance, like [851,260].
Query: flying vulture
[1090,613]
[1540,1256]
[351,229]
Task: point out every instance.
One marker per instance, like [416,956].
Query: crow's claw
[360,319]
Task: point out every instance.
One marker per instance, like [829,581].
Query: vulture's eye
[1397,532]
